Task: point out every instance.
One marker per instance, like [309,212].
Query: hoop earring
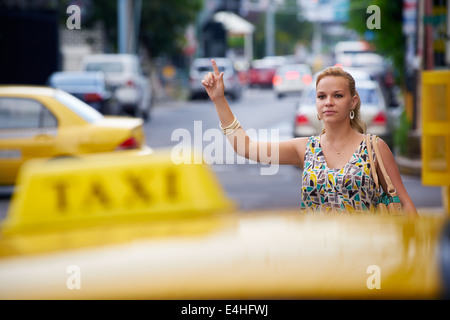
[352,115]
[319,118]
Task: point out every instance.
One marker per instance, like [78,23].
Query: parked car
[380,69]
[291,79]
[358,74]
[202,66]
[261,73]
[345,51]
[44,122]
[89,86]
[374,112]
[126,77]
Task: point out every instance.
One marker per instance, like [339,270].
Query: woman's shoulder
[304,141]
[313,140]
[380,142]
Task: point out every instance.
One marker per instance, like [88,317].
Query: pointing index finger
[216,69]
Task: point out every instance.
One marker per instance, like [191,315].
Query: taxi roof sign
[90,191]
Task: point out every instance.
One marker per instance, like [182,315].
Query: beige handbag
[389,202]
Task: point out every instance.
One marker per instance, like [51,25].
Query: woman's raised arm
[285,152]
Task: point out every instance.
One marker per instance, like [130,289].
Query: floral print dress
[350,189]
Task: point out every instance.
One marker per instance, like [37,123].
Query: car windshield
[287,68]
[209,68]
[107,67]
[366,95]
[78,81]
[82,109]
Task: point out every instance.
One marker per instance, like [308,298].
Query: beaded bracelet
[230,128]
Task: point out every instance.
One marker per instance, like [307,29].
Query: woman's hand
[213,83]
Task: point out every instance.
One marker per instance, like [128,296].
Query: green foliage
[235,42]
[289,31]
[163,23]
[401,134]
[388,40]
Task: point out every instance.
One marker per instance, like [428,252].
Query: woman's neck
[339,133]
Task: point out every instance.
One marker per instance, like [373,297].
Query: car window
[286,68]
[135,68]
[82,109]
[205,69]
[368,96]
[48,120]
[78,83]
[57,81]
[24,113]
[107,67]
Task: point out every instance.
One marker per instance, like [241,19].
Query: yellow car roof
[26,90]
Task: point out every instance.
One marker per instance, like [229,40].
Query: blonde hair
[356,123]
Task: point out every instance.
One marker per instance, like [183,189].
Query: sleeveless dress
[335,191]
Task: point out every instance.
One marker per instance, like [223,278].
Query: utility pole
[270,29]
[128,17]
[122,25]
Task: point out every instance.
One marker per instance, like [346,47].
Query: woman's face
[333,99]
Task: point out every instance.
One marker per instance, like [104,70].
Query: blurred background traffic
[144,60]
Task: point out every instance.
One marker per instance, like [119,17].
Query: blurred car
[373,112]
[44,122]
[345,51]
[89,87]
[201,66]
[358,74]
[291,79]
[261,73]
[380,69]
[127,79]
[358,54]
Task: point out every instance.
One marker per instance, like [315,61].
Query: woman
[331,183]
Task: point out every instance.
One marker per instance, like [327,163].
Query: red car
[261,73]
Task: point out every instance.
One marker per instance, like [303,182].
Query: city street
[252,186]
[259,109]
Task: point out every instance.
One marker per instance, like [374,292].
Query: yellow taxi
[148,228]
[43,122]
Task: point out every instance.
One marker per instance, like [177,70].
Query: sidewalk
[411,167]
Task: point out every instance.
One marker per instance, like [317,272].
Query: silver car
[373,112]
[90,87]
[201,66]
[124,74]
[291,79]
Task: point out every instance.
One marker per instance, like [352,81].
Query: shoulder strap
[372,164]
[390,186]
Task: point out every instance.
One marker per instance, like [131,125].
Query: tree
[164,23]
[162,27]
[388,40]
[289,30]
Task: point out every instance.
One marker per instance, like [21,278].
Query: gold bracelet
[230,126]
[229,131]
